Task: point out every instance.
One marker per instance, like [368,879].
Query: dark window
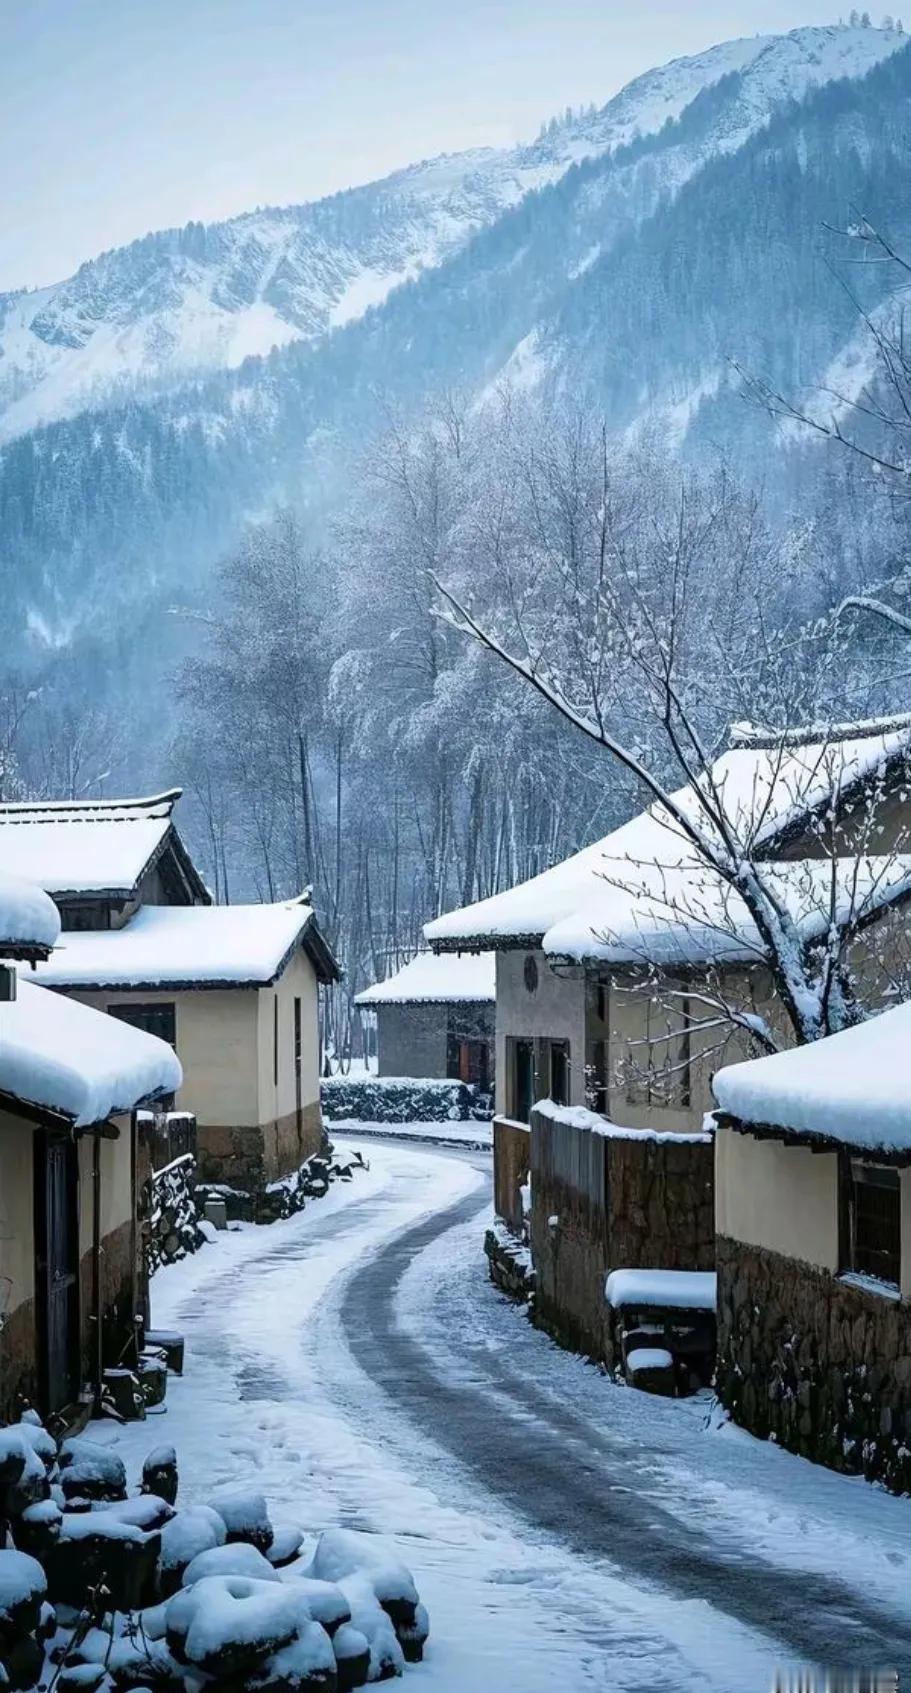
[298,1061]
[598,1090]
[275,1040]
[467,1061]
[522,1079]
[81,915]
[530,974]
[559,1071]
[871,1210]
[160,1020]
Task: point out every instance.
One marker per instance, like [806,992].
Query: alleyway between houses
[355,1364]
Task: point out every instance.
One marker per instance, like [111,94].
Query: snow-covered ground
[565,1532]
[469,1134]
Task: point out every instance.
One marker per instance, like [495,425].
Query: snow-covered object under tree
[850,1089]
[766,793]
[29,920]
[67,1058]
[192,946]
[664,1290]
[466,978]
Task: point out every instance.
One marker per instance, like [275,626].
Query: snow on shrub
[388,1099]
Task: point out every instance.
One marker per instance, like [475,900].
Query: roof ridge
[13,811]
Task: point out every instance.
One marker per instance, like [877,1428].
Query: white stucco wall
[17,1236]
[216,1044]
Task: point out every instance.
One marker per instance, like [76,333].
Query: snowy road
[564,1531]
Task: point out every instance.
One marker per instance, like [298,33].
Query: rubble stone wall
[817,1363]
[250,1157]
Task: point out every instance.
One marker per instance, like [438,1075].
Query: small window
[160,1020]
[559,1072]
[275,1040]
[871,1196]
[521,1063]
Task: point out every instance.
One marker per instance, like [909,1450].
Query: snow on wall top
[431,978]
[764,792]
[28,918]
[181,946]
[64,1057]
[850,1089]
[98,846]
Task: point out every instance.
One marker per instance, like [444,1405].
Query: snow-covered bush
[388,1099]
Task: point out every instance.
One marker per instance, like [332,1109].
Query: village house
[813,1200]
[70,1254]
[233,989]
[436,1018]
[628,974]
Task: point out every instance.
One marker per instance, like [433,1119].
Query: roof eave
[814,1142]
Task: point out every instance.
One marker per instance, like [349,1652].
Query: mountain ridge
[178,304]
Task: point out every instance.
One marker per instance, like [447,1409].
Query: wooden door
[57,1269]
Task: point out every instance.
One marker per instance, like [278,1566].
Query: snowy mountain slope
[182,303]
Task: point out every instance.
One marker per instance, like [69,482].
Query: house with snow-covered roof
[598,958]
[436,1017]
[70,1253]
[813,1250]
[234,990]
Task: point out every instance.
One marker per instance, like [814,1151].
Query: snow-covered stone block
[89,1470]
[342,1552]
[352,1657]
[245,1516]
[306,1665]
[226,1625]
[651,1369]
[23,1590]
[182,1539]
[286,1544]
[325,1600]
[96,1549]
[235,1558]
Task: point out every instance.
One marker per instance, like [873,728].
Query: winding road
[358,1361]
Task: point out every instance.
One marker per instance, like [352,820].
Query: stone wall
[18,1360]
[818,1364]
[602,1201]
[511,1163]
[411,1040]
[249,1158]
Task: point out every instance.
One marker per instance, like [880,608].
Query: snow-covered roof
[767,792]
[431,978]
[88,847]
[850,1089]
[684,913]
[62,1057]
[189,946]
[29,920]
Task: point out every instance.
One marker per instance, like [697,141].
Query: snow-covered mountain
[180,304]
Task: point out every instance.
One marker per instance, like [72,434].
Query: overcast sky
[120,116]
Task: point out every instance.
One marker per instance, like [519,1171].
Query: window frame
[855,1256]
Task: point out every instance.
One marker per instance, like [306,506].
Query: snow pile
[174,946]
[92,847]
[457,979]
[665,1290]
[64,1057]
[850,1089]
[28,918]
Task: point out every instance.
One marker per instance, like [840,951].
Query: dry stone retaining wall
[817,1364]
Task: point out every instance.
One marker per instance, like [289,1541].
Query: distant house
[70,1081]
[233,989]
[436,1017]
[813,1202]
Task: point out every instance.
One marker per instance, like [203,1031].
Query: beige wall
[17,1238]
[216,1044]
[781,1197]
[116,1183]
[298,981]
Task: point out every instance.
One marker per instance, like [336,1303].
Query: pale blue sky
[120,116]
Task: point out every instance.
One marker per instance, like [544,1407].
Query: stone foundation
[822,1367]
[249,1158]
[510,1265]
[18,1360]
